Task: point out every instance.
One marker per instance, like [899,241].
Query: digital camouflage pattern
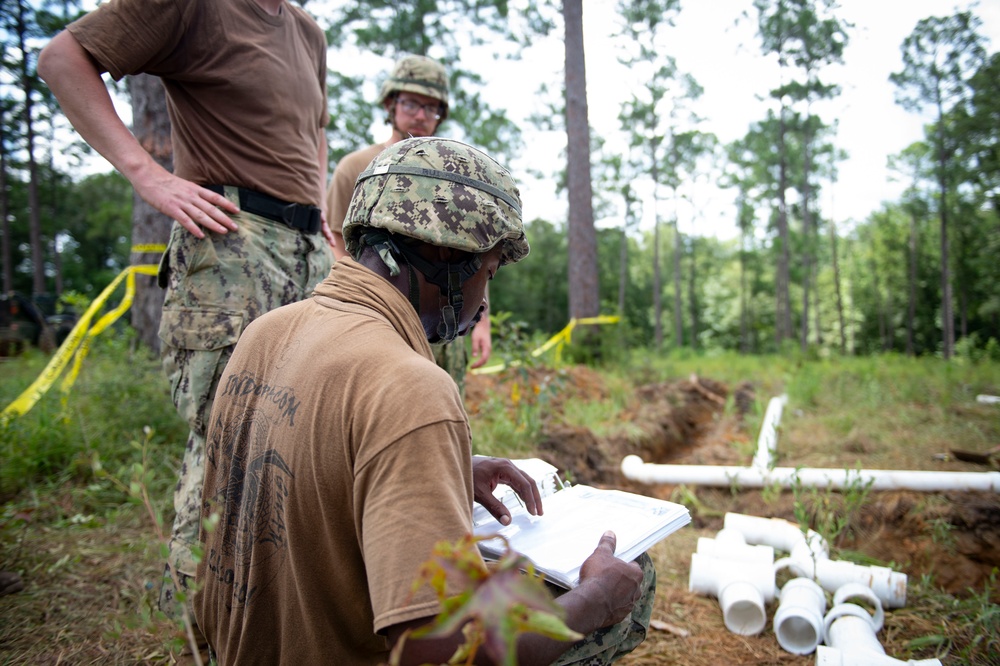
[606,645]
[417,74]
[474,215]
[453,358]
[215,287]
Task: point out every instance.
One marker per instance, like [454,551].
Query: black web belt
[305,218]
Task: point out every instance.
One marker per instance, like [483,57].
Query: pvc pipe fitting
[888,585]
[850,637]
[849,627]
[798,622]
[828,656]
[742,589]
[858,591]
[729,544]
[777,533]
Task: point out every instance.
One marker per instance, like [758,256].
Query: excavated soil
[952,537]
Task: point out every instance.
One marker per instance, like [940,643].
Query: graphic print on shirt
[252,483]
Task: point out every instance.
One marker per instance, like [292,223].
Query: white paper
[574,520]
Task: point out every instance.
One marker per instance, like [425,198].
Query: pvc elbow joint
[851,632]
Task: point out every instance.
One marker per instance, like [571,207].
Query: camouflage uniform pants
[604,646]
[215,287]
[454,358]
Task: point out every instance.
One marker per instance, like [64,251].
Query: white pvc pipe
[635,469]
[851,640]
[798,622]
[742,589]
[828,656]
[730,544]
[767,442]
[778,533]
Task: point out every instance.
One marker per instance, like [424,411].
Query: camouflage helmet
[438,191]
[417,74]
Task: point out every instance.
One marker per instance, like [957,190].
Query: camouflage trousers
[605,646]
[215,287]
[453,357]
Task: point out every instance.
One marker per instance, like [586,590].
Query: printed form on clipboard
[574,519]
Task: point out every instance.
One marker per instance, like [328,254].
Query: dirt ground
[89,591]
[954,538]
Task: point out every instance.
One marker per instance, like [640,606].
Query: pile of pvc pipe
[739,569]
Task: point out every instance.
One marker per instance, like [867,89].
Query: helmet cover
[441,192]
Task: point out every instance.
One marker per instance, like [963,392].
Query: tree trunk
[584,298]
[678,297]
[34,213]
[744,301]
[880,309]
[911,310]
[5,249]
[807,259]
[657,278]
[692,297]
[151,126]
[838,289]
[947,319]
[623,256]
[783,316]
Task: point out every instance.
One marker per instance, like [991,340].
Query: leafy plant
[829,512]
[495,606]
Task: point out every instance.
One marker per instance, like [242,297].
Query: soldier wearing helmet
[339,454]
[415,98]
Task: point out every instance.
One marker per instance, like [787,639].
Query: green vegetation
[86,484]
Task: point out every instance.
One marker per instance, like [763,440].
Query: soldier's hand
[613,586]
[194,207]
[487,473]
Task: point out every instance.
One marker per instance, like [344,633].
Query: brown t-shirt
[246,91]
[337,454]
[338,197]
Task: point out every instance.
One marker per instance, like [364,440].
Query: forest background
[917,275]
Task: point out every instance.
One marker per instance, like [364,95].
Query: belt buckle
[304,218]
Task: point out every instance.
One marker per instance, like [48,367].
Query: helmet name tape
[384,169]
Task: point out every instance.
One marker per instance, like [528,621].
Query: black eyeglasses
[410,108]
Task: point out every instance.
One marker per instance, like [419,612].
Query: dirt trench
[955,538]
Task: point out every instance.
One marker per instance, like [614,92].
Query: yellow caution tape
[149,247]
[78,343]
[559,340]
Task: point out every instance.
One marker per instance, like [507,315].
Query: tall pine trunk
[837,289]
[584,298]
[34,205]
[911,310]
[5,248]
[151,126]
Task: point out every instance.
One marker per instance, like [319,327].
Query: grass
[74,525]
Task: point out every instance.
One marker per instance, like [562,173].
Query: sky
[723,55]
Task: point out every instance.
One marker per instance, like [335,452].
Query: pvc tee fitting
[798,622]
[742,589]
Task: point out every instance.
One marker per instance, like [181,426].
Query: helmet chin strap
[449,278]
